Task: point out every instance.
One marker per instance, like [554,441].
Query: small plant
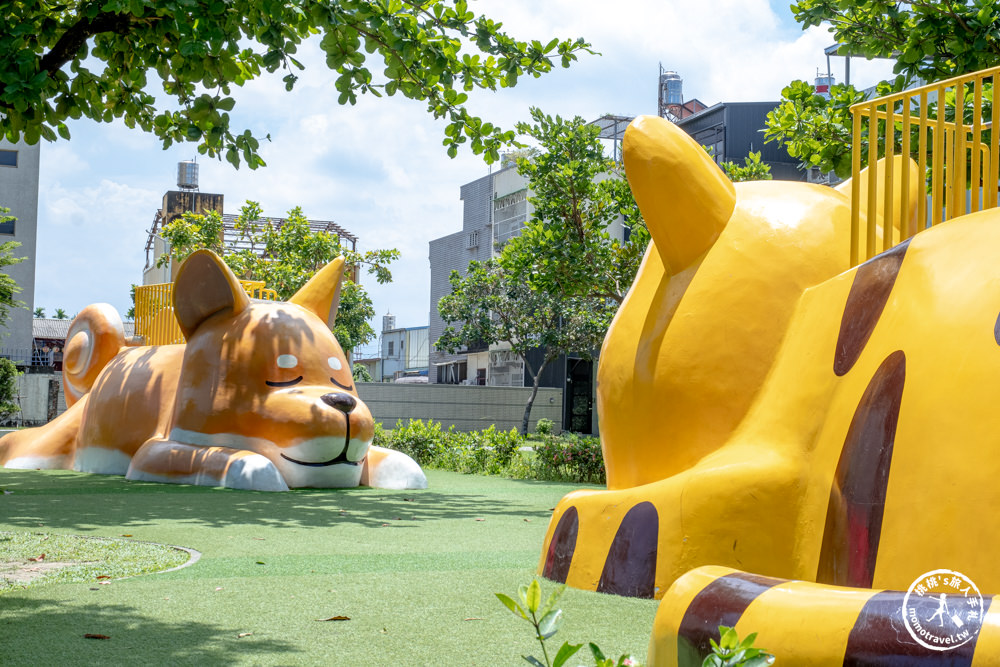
[544,426]
[362,374]
[731,652]
[570,458]
[546,622]
[8,389]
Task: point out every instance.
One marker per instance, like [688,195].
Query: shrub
[544,426]
[570,458]
[494,452]
[8,389]
[423,442]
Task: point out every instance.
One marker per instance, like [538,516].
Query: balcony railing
[154,313]
[956,157]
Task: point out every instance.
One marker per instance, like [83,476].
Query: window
[473,240]
[390,348]
[8,158]
[7,225]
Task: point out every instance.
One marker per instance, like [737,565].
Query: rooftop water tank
[671,88]
[187,175]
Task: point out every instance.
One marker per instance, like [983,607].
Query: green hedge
[567,458]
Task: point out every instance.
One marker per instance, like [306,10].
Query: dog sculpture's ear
[321,295]
[204,287]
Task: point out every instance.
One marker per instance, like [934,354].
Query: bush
[8,389]
[544,426]
[494,452]
[572,458]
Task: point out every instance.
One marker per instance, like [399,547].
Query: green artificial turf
[43,558]
[415,572]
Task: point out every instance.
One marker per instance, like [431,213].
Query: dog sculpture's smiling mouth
[341,458]
[319,464]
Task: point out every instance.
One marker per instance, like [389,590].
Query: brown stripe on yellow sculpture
[259,397]
[801,623]
[785,415]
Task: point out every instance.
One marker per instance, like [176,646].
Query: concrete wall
[468,408]
[36,403]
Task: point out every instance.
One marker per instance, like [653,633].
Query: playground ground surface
[413,571]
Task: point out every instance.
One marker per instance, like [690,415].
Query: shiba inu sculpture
[260,397]
[791,442]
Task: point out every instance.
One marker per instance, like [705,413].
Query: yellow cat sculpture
[764,409]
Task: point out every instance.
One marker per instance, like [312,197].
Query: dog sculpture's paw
[182,463]
[389,469]
[254,473]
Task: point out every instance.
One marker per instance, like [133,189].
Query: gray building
[733,129]
[19,193]
[495,209]
[402,353]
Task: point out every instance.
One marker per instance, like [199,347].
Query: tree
[491,305]
[361,373]
[95,60]
[928,40]
[40,313]
[566,248]
[8,286]
[284,256]
[61,314]
[752,169]
[9,403]
[816,130]
[557,285]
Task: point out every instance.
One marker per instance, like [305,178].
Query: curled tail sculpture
[775,420]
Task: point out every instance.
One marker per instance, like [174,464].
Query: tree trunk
[534,392]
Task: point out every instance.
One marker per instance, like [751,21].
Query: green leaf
[566,651]
[553,598]
[510,604]
[729,639]
[596,651]
[549,624]
[533,596]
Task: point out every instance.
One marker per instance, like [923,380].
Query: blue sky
[378,168]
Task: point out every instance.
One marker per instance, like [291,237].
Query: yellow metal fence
[956,155]
[154,312]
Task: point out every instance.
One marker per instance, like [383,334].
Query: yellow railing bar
[154,318]
[962,169]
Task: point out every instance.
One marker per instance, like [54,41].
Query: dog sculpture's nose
[343,402]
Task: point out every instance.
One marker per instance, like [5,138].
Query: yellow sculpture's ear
[684,197]
[321,295]
[204,287]
[912,196]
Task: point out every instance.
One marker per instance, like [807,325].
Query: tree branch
[67,46]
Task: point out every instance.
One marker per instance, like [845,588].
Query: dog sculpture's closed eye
[260,396]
